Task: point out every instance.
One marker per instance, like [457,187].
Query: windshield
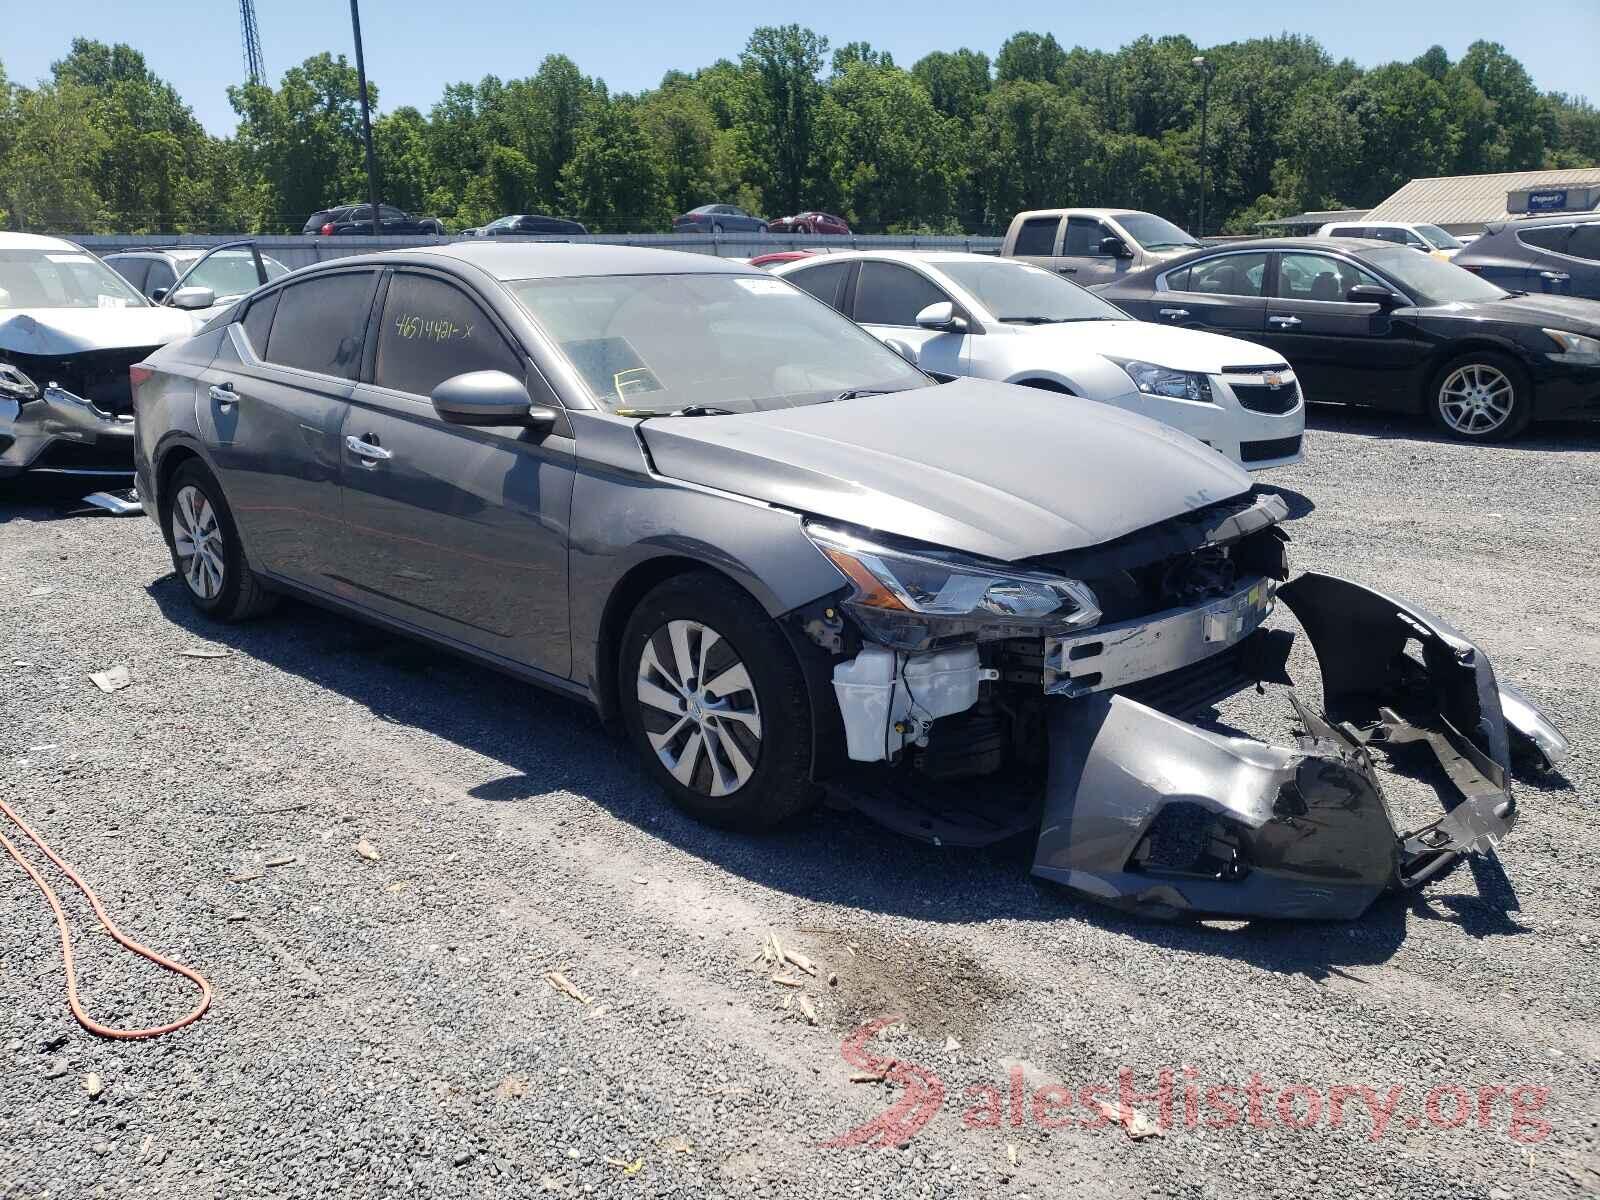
[1438,237]
[1153,232]
[1431,280]
[1026,294]
[743,343]
[232,273]
[62,279]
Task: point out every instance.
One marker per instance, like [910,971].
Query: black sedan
[1366,322]
[523,224]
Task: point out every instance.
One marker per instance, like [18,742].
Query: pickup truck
[1093,246]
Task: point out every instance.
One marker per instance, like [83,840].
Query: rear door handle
[1555,276]
[223,394]
[366,450]
[1174,313]
[1067,270]
[1285,322]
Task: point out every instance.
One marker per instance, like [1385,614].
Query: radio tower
[252,41]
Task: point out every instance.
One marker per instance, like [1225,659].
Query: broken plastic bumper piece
[1150,813]
[60,433]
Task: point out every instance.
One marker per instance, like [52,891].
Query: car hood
[1571,313]
[1180,349]
[56,331]
[988,468]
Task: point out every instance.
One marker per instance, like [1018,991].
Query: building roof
[1473,199]
[1315,217]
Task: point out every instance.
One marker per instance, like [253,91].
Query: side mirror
[1115,247]
[1371,293]
[158,295]
[192,298]
[904,349]
[942,317]
[489,398]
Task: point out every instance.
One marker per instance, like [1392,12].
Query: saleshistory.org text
[1178,1099]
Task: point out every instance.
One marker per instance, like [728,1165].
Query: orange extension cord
[123,939]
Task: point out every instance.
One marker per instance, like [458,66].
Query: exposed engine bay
[69,413]
[1079,725]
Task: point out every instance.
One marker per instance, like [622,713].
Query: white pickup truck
[1093,246]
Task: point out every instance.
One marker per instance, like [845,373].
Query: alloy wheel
[197,542]
[699,708]
[1476,399]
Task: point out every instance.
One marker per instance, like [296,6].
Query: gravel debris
[386,1027]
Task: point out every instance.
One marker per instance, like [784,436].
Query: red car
[778,256]
[808,222]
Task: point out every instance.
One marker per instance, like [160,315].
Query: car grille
[1258,397]
[1271,448]
[99,376]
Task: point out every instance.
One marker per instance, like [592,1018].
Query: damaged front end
[1140,808]
[68,414]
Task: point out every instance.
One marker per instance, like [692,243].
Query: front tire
[1480,396]
[714,700]
[206,551]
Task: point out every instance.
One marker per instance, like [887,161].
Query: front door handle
[367,450]
[1175,313]
[1555,276]
[1067,270]
[1285,322]
[223,394]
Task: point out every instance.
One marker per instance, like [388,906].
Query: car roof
[1576,218]
[184,253]
[35,241]
[1085,212]
[1376,224]
[933,258]
[558,260]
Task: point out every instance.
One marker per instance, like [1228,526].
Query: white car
[1430,239]
[997,318]
[70,329]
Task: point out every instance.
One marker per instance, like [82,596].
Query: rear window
[1037,236]
[320,324]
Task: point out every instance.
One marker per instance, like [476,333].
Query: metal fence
[301,251]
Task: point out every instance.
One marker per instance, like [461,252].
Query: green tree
[685,132]
[957,81]
[405,164]
[780,109]
[615,178]
[55,151]
[1031,58]
[1032,147]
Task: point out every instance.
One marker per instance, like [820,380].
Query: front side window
[1037,237]
[1228,275]
[431,331]
[67,278]
[1025,294]
[232,272]
[161,278]
[742,342]
[889,294]
[823,281]
[321,324]
[1319,277]
[1084,235]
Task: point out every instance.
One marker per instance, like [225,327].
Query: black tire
[716,231]
[1461,374]
[240,594]
[778,785]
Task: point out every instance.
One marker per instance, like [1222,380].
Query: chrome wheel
[197,542]
[1476,399]
[699,708]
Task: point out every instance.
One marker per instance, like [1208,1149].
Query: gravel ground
[385,1025]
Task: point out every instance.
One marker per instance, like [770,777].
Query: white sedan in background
[997,318]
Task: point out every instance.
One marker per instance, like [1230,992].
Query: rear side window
[889,294]
[321,322]
[1585,242]
[1037,236]
[1549,237]
[432,330]
[258,321]
[1229,275]
[822,282]
[1347,231]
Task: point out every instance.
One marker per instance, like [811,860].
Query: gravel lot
[386,1025]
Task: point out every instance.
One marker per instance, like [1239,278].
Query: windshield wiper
[688,410]
[857,393]
[1031,320]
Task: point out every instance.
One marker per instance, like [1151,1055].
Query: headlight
[958,589]
[1165,381]
[14,385]
[1575,347]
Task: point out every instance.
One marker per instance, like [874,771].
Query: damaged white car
[70,329]
[697,498]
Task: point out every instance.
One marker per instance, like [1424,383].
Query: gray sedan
[702,501]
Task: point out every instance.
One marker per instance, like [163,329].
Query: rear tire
[713,699]
[1480,396]
[206,551]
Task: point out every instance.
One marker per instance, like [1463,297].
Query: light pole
[1205,100]
[366,118]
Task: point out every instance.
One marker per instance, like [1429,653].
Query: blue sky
[415,48]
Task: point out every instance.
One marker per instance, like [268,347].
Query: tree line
[957,143]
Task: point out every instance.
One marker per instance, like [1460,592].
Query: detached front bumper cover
[28,428]
[1150,813]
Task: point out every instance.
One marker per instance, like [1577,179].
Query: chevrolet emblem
[1272,379]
